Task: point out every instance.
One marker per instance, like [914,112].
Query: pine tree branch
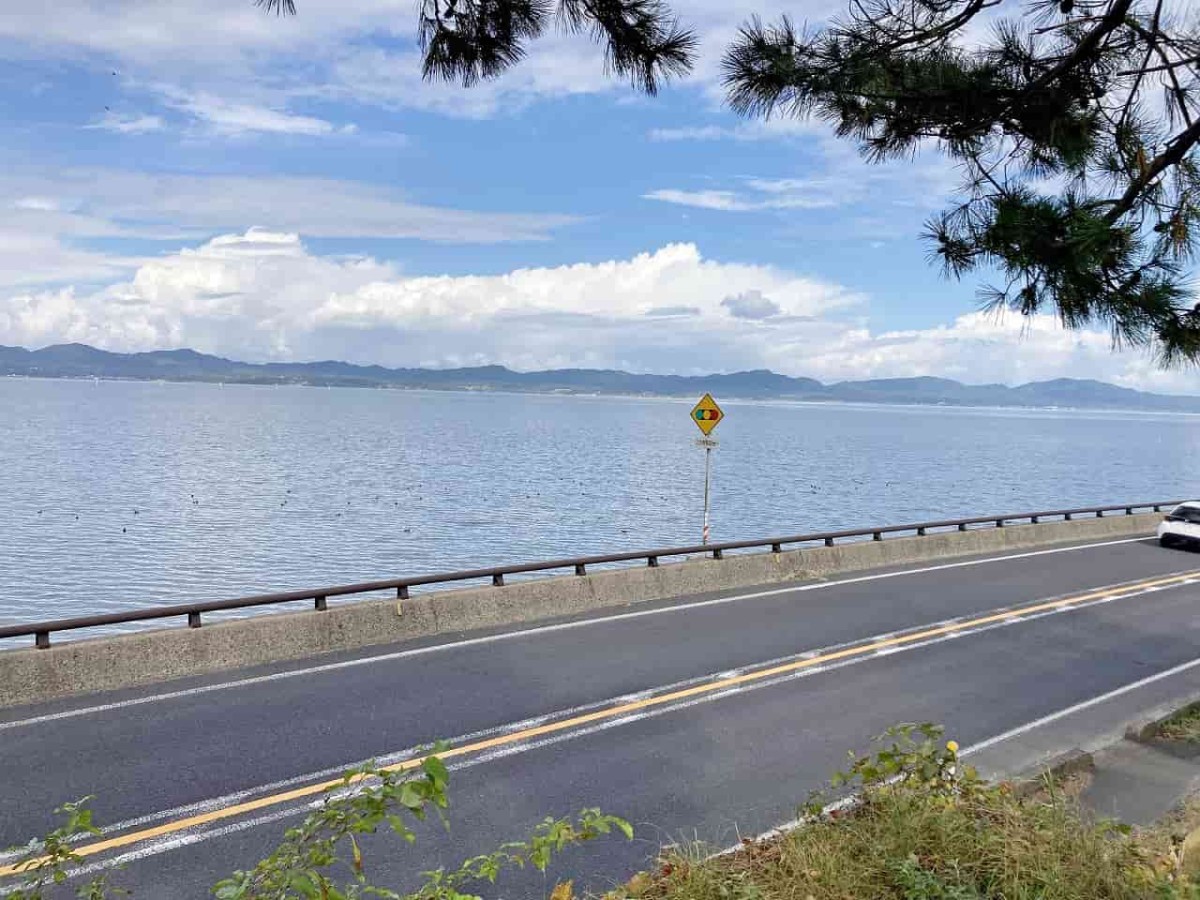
[1111,21]
[1165,67]
[1155,40]
[279,7]
[1141,72]
[974,8]
[1172,156]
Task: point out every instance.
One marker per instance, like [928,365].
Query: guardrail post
[193,620]
[962,527]
[1033,520]
[999,523]
[580,569]
[320,604]
[717,554]
[41,640]
[921,531]
[1066,517]
[877,535]
[777,548]
[497,581]
[1129,510]
[1157,508]
[402,592]
[1099,514]
[652,562]
[828,542]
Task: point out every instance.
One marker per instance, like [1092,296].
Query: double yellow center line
[708,687]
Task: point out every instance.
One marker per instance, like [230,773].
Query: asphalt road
[707,717]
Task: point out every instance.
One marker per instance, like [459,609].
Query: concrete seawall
[101,664]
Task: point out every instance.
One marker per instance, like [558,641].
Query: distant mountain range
[82,361]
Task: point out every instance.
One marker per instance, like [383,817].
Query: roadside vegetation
[927,828]
[920,825]
[1183,726]
[322,857]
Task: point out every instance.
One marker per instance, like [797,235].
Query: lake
[127,494]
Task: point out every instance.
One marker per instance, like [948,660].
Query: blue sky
[200,173]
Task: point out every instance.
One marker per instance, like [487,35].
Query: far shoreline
[606,395]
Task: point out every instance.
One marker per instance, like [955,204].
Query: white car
[1181,525]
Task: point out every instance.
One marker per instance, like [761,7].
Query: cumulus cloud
[261,295]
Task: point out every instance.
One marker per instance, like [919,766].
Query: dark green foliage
[321,857]
[1075,125]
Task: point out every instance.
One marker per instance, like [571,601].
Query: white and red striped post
[707,469]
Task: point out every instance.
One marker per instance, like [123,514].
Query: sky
[200,173]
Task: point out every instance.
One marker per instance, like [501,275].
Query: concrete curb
[1145,728]
[148,657]
[1142,730]
[1072,762]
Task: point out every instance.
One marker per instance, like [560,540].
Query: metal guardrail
[41,631]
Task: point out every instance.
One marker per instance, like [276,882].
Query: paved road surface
[711,716]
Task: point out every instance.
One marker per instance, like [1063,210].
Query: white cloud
[128,124]
[982,347]
[229,118]
[361,50]
[557,66]
[765,195]
[191,34]
[261,295]
[777,128]
[726,201]
[48,221]
[35,204]
[835,177]
[48,218]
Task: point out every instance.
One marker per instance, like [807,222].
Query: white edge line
[1078,707]
[526,632]
[792,825]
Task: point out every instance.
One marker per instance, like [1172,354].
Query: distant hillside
[81,361]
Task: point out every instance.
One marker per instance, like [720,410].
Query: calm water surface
[116,495]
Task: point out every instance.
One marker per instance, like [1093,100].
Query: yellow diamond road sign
[706,414]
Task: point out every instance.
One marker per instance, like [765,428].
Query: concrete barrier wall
[101,664]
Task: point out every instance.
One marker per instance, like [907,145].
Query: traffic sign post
[707,416]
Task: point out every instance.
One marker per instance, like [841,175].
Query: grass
[1183,726]
[925,830]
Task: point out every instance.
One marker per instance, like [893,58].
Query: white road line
[1078,707]
[527,632]
[992,741]
[188,838]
